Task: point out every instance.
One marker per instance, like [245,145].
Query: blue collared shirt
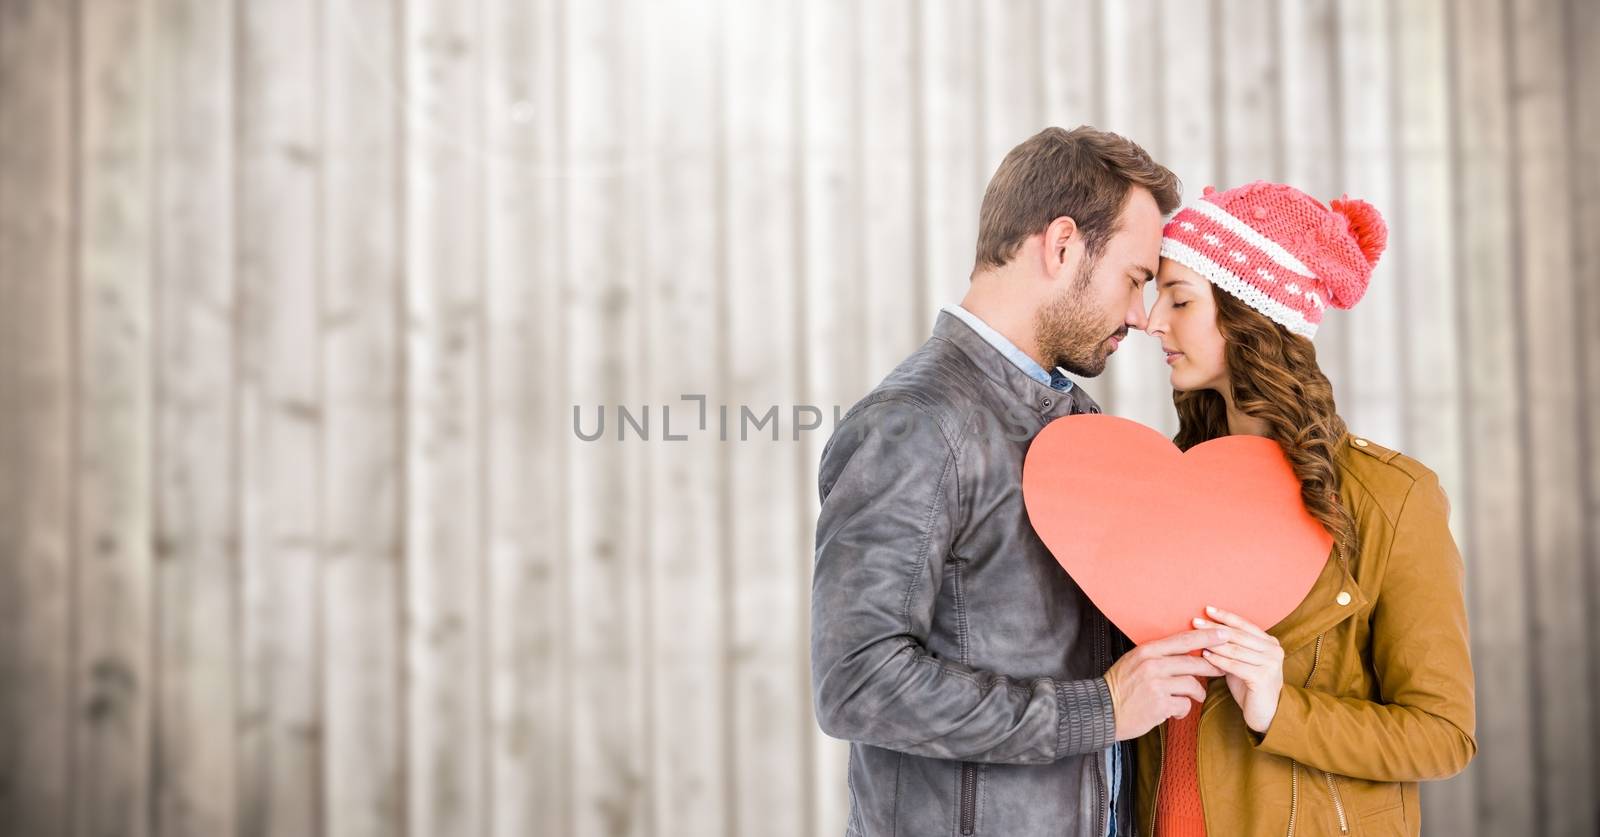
[1058,381]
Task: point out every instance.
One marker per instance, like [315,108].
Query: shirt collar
[1018,358]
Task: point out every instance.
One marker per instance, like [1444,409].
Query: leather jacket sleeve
[891,510]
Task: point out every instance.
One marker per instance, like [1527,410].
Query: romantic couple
[982,692]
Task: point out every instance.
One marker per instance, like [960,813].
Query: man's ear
[1060,239]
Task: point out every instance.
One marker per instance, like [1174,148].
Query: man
[971,675]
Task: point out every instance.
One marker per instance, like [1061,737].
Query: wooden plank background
[298,299]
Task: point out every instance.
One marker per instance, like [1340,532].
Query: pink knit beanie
[1279,250]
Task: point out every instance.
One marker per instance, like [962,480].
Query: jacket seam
[900,759]
[1352,476]
[855,824]
[999,383]
[909,398]
[1395,526]
[926,540]
[954,443]
[928,659]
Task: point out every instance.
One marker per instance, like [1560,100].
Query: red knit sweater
[1178,809]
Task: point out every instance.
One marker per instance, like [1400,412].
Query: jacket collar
[1320,610]
[1047,403]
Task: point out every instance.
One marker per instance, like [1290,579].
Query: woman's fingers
[1228,617]
[1246,671]
[1243,633]
[1243,654]
[1238,637]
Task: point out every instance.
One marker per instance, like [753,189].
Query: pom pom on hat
[1363,239]
[1371,234]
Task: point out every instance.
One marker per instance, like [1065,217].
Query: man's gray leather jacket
[947,645]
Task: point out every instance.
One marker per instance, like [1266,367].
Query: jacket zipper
[1338,806]
[969,795]
[1100,812]
[1294,772]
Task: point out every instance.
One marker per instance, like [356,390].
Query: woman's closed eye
[1179,304]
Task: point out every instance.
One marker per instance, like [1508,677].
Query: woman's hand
[1253,663]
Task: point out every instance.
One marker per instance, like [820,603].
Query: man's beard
[1069,332]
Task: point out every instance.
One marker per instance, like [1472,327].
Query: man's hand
[1157,680]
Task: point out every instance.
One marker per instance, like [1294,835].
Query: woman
[1325,723]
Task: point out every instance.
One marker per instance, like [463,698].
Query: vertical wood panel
[760,293]
[951,179]
[610,786]
[1137,374]
[688,706]
[1253,100]
[890,147]
[833,257]
[447,789]
[1494,546]
[1425,272]
[1312,129]
[1550,434]
[1071,58]
[1582,31]
[1011,97]
[1188,93]
[36,361]
[1425,268]
[112,605]
[831,285]
[1370,398]
[361,255]
[1008,42]
[197,534]
[280,421]
[529,739]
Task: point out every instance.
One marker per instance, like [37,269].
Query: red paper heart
[1153,534]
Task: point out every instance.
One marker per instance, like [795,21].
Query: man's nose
[1136,317]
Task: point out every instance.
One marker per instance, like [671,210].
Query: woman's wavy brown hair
[1275,378]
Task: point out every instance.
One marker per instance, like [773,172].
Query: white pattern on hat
[1225,279]
[1272,248]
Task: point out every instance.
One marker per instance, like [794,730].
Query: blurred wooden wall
[296,537]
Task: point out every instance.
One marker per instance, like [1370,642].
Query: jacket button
[1361,443]
[1045,404]
[1343,598]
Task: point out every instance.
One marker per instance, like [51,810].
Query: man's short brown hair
[1083,174]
